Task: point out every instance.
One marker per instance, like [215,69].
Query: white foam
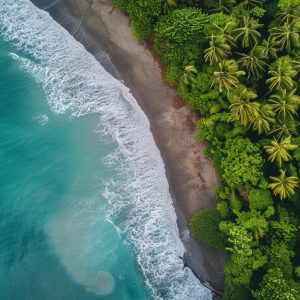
[139,198]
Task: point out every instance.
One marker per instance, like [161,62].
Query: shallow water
[85,207]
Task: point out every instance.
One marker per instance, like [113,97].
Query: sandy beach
[191,175]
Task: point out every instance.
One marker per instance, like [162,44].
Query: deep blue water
[85,209]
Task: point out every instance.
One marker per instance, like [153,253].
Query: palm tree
[226,33]
[278,151]
[248,34]
[261,123]
[268,48]
[282,75]
[221,5]
[252,63]
[289,14]
[168,5]
[283,185]
[284,128]
[227,76]
[189,72]
[287,35]
[285,104]
[242,109]
[217,51]
[296,65]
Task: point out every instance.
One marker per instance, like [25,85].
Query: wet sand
[192,177]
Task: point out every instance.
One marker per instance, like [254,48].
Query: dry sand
[191,175]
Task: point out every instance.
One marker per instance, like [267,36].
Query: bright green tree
[260,199]
[241,162]
[254,222]
[275,287]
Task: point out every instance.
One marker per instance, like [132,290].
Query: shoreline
[191,176]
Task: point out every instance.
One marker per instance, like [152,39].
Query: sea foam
[140,205]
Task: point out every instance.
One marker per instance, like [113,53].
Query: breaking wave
[140,205]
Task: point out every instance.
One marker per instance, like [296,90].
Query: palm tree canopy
[285,104]
[252,63]
[248,33]
[221,5]
[227,76]
[226,33]
[242,109]
[168,5]
[279,151]
[282,73]
[283,185]
[261,123]
[289,14]
[267,48]
[189,71]
[287,35]
[218,50]
[284,128]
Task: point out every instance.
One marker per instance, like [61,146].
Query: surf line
[204,283]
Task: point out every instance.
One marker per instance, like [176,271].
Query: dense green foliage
[237,63]
[204,227]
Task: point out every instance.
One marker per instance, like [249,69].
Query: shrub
[142,15]
[182,25]
[223,209]
[242,163]
[178,36]
[260,199]
[205,228]
[281,257]
[236,293]
[275,287]
[235,202]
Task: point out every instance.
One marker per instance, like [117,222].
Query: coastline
[191,176]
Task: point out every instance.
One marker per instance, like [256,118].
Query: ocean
[86,211]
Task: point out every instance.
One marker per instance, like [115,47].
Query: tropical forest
[237,65]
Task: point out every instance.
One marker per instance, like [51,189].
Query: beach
[191,176]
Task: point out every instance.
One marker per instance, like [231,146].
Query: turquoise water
[86,211]
[55,242]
